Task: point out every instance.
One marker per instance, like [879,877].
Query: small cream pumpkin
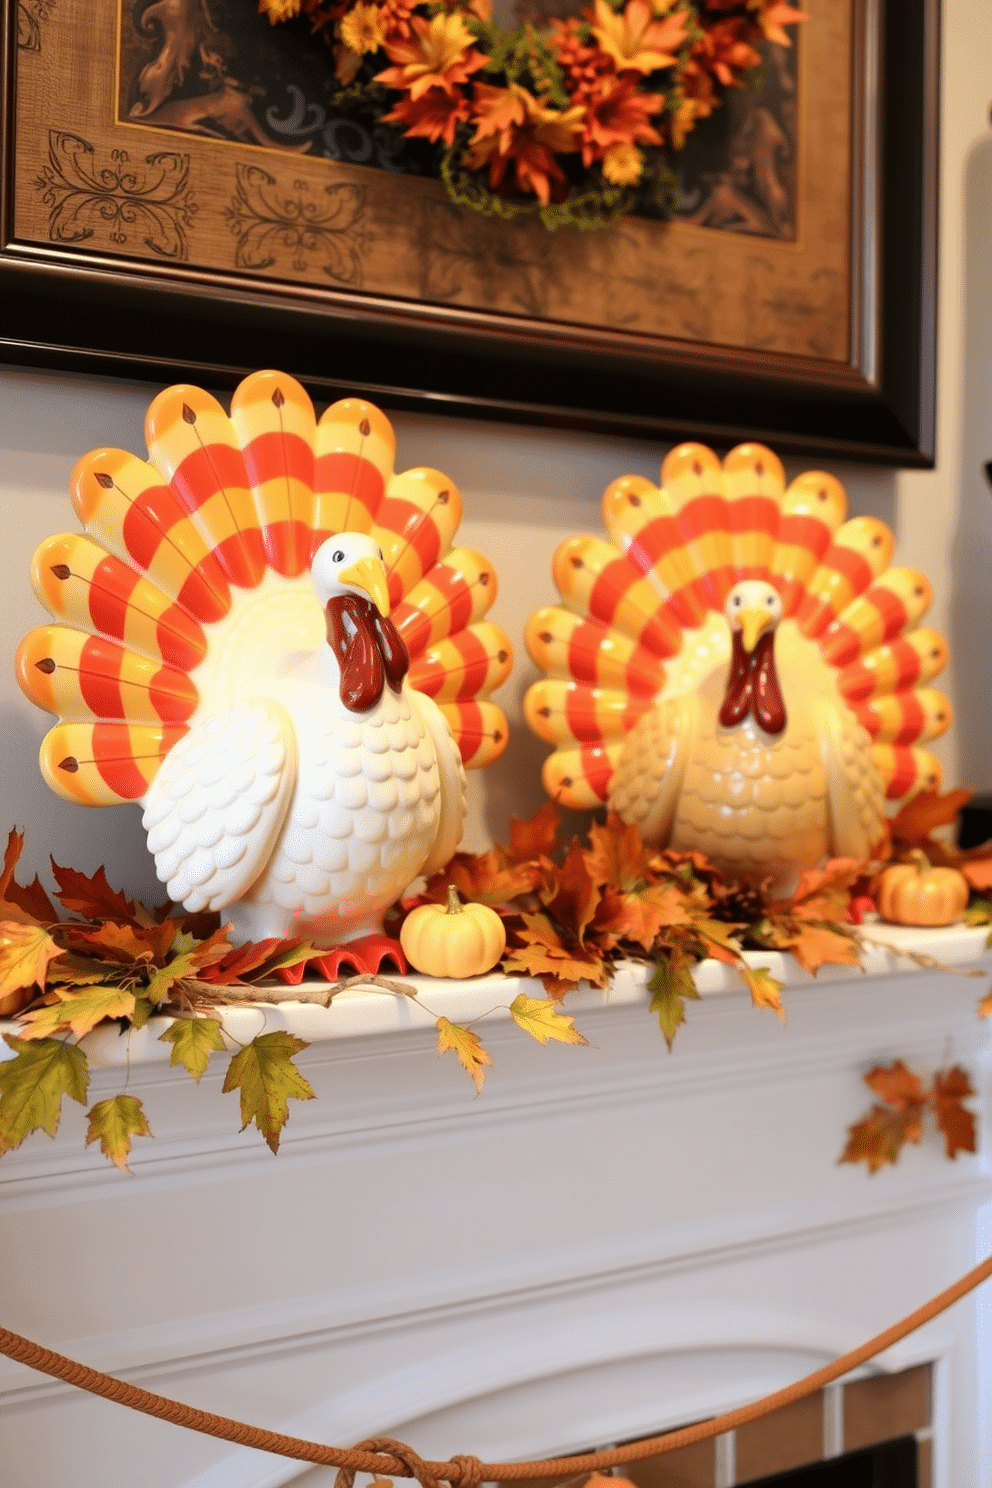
[918,894]
[461,940]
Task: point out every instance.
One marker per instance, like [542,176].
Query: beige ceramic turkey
[739,670]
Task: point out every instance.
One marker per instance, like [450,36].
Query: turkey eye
[737,600]
[337,557]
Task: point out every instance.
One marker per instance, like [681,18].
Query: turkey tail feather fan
[648,614]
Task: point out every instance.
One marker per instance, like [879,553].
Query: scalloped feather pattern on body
[640,618]
[191,583]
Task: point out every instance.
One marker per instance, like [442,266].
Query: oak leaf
[453,1038]
[542,1020]
[193,1041]
[765,990]
[26,952]
[113,1123]
[32,1086]
[954,1120]
[267,1078]
[670,985]
[78,1012]
[91,896]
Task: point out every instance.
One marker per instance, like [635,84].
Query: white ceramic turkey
[738,669]
[272,646]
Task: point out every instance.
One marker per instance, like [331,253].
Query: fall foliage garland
[571,123]
[570,915]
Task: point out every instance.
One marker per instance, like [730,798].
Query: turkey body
[759,805]
[363,819]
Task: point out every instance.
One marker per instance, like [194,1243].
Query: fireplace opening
[888,1465]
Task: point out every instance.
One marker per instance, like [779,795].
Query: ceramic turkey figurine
[270,642]
[738,670]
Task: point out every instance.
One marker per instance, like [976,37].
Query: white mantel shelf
[607,1241]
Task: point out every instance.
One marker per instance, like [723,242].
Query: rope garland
[382,1456]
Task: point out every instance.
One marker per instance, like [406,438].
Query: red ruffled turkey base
[366,954]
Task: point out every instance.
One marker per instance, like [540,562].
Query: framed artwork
[181,201]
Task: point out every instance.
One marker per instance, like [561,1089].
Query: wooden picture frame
[92,295]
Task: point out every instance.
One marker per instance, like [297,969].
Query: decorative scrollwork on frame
[149,199]
[273,223]
[30,16]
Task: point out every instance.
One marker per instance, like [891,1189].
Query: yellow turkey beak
[754,619]
[368,575]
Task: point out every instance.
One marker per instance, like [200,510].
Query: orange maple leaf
[822,893]
[617,856]
[537,837]
[91,896]
[955,1121]
[978,872]
[927,810]
[486,878]
[570,893]
[18,900]
[820,945]
[878,1138]
[897,1085]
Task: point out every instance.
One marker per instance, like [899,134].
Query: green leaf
[113,1123]
[671,984]
[32,1086]
[143,1010]
[268,1079]
[193,1041]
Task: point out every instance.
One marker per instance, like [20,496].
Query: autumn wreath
[574,123]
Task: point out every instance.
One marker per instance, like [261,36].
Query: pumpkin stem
[454,903]
[919,857]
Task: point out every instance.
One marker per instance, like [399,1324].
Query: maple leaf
[897,1085]
[817,945]
[765,990]
[78,1012]
[719,939]
[955,1121]
[32,1086]
[927,810]
[484,878]
[117,941]
[256,960]
[31,900]
[671,984]
[571,893]
[878,1138]
[821,893]
[542,1020]
[193,1041]
[71,970]
[544,955]
[453,1038]
[113,1123]
[268,1079]
[26,951]
[639,916]
[978,872]
[537,837]
[617,856]
[92,897]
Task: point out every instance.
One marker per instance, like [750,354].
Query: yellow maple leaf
[542,1020]
[78,1011]
[819,945]
[193,1041]
[268,1079]
[453,1038]
[764,989]
[113,1123]
[32,1086]
[25,954]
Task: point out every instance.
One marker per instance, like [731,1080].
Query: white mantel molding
[607,1241]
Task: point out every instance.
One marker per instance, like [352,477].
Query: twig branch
[918,958]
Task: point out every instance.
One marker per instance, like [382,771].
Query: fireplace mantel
[606,1242]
